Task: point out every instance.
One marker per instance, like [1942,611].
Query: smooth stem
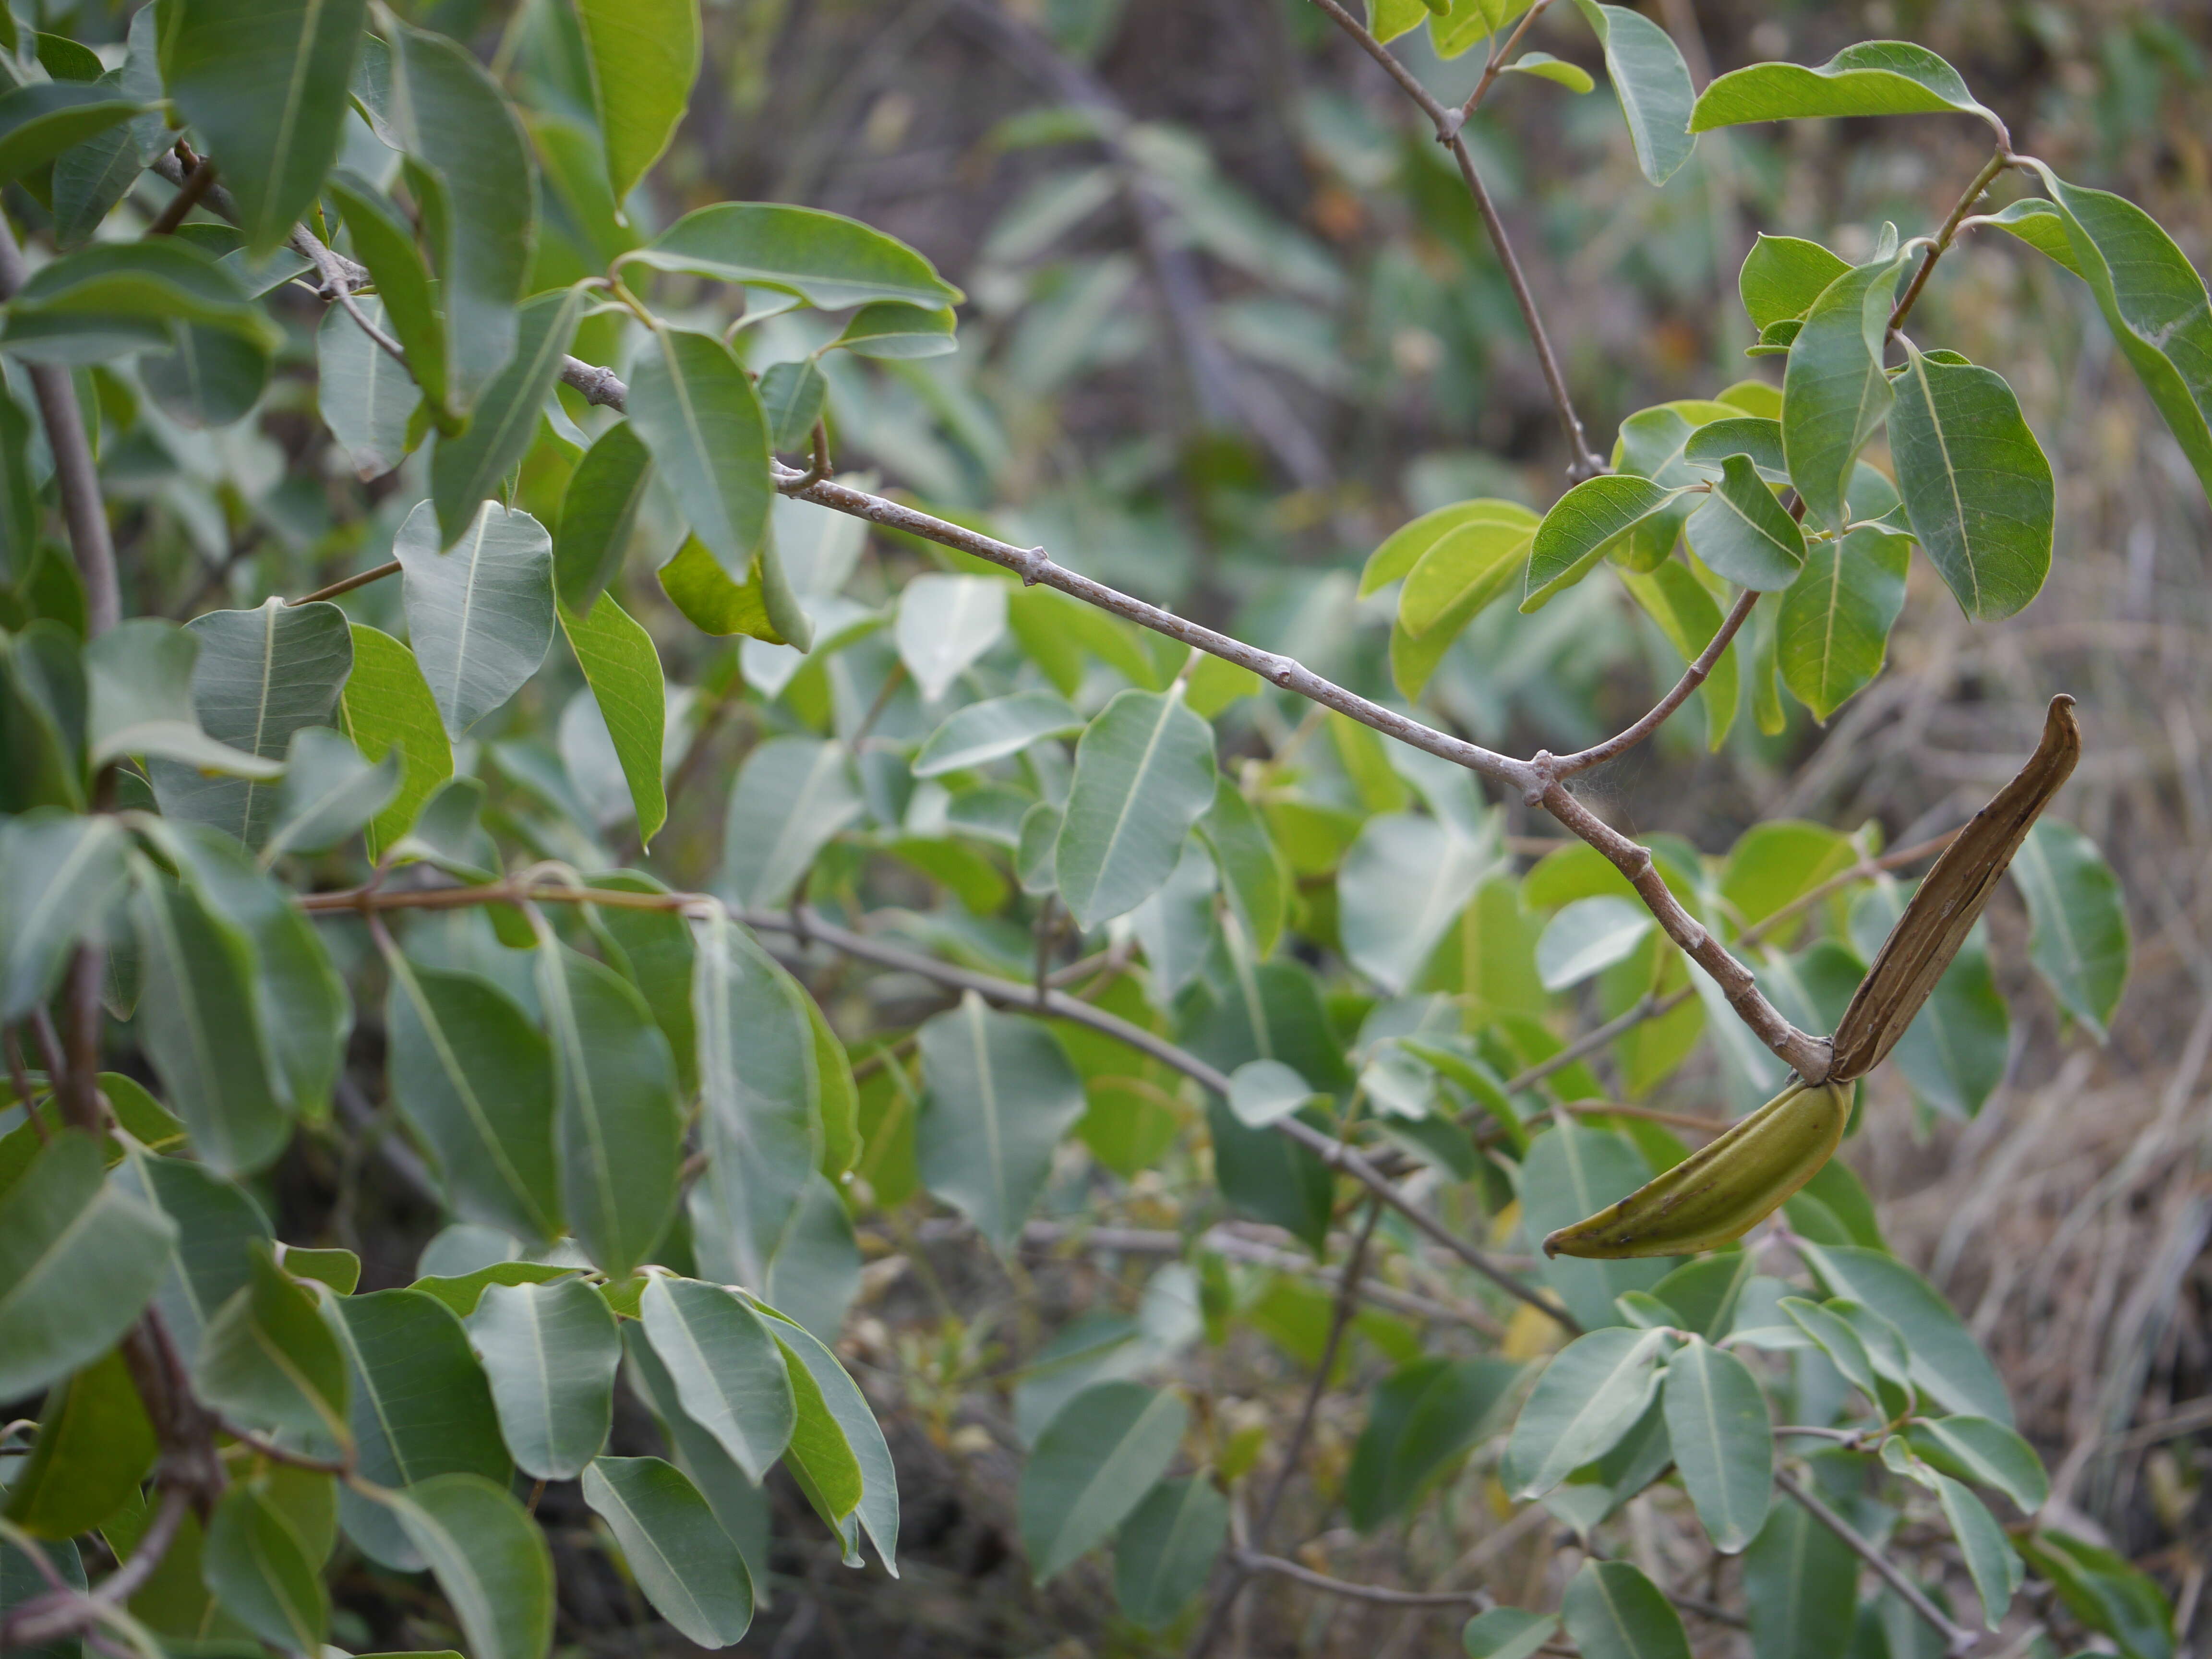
[1997,164]
[75,474]
[1447,122]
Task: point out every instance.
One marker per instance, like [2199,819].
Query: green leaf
[1833,629]
[945,623]
[261,1575]
[1990,1453]
[1572,1172]
[1717,1424]
[60,873]
[993,730]
[549,1353]
[2155,303]
[328,794]
[22,1581]
[1572,76]
[1588,936]
[467,468]
[480,616]
[616,1124]
[1461,572]
[475,1079]
[116,298]
[139,676]
[39,121]
[758,607]
[1164,1552]
[200,1027]
[19,509]
[1875,77]
[1783,275]
[1001,1093]
[1756,436]
[833,1405]
[726,1368]
[1976,488]
[1744,534]
[489,1557]
[1401,885]
[598,514]
[386,709]
[1143,776]
[1590,1394]
[760,1089]
[217,1226]
[1582,526]
[682,1558]
[1991,1561]
[1834,394]
[1777,862]
[1252,874]
[624,671]
[1652,83]
[892,329]
[644,59]
[2042,227]
[1423,1421]
[1090,1468]
[1800,1583]
[1405,548]
[1508,1633]
[2078,938]
[792,795]
[265,85]
[1613,1611]
[260,677]
[92,177]
[463,1291]
[1947,1362]
[470,169]
[405,297]
[94,1445]
[365,398]
[211,379]
[1689,616]
[267,1359]
[696,408]
[792,396]
[2104,1593]
[825,259]
[419,1409]
[64,1226]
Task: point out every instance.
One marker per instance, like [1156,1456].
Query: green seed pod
[1724,1189]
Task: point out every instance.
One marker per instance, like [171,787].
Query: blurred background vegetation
[1231,321]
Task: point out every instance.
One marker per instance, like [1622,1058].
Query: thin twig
[19,1079]
[1276,1566]
[1244,1563]
[346,585]
[807,925]
[1957,1639]
[59,1614]
[1496,64]
[197,183]
[1997,164]
[261,1445]
[74,471]
[1447,121]
[1565,766]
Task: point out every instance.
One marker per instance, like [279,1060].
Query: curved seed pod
[1722,1190]
[1949,900]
